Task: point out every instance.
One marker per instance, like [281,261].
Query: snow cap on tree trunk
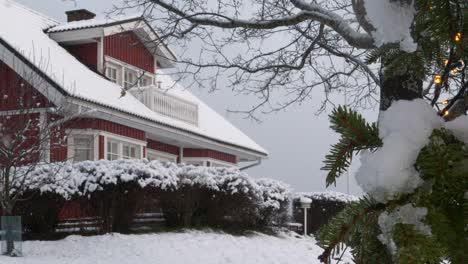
[392,22]
[405,129]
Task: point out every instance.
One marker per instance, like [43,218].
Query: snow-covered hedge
[83,178]
[328,195]
[185,191]
[324,206]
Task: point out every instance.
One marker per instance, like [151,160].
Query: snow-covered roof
[28,39]
[95,22]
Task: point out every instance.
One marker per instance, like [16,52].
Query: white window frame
[122,66]
[130,148]
[121,140]
[111,67]
[116,154]
[164,155]
[203,161]
[118,67]
[71,134]
[130,82]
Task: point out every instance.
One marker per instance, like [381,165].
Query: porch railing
[167,105]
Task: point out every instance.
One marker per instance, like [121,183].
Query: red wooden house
[84,64]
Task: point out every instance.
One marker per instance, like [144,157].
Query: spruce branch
[356,135]
[342,228]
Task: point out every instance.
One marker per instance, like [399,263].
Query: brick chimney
[80,14]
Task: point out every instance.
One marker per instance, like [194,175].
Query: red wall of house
[128,48]
[101,147]
[104,125]
[85,53]
[17,93]
[163,147]
[208,153]
[20,134]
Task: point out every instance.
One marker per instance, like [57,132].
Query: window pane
[112,150]
[115,148]
[83,148]
[126,151]
[82,155]
[129,78]
[129,151]
[111,73]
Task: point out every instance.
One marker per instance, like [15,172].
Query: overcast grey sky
[296,139]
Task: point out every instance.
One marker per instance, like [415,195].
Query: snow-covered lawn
[189,247]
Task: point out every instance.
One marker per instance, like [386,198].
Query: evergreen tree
[380,232]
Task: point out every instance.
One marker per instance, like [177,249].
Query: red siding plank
[104,125]
[101,147]
[163,147]
[128,48]
[208,153]
[86,54]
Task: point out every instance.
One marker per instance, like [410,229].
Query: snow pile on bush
[84,178]
[405,129]
[328,196]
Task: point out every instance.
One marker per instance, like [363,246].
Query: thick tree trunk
[399,86]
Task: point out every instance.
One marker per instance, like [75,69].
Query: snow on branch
[309,12]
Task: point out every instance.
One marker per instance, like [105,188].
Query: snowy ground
[191,247]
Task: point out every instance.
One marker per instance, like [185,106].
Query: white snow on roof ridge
[28,38]
[95,22]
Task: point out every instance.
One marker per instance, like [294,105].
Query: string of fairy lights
[450,67]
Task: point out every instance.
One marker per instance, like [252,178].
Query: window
[111,73]
[156,155]
[129,78]
[112,150]
[121,150]
[83,146]
[217,164]
[129,151]
[195,163]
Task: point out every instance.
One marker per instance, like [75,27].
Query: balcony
[168,105]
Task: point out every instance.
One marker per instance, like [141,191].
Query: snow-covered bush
[189,195]
[324,206]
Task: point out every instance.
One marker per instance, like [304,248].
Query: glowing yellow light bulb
[446,113]
[445,102]
[455,71]
[445,62]
[458,37]
[438,79]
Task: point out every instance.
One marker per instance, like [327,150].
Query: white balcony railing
[166,104]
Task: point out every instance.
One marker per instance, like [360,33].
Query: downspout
[258,162]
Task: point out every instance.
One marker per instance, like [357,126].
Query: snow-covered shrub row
[84,178]
[324,206]
[328,195]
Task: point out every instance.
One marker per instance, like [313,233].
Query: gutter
[258,162]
